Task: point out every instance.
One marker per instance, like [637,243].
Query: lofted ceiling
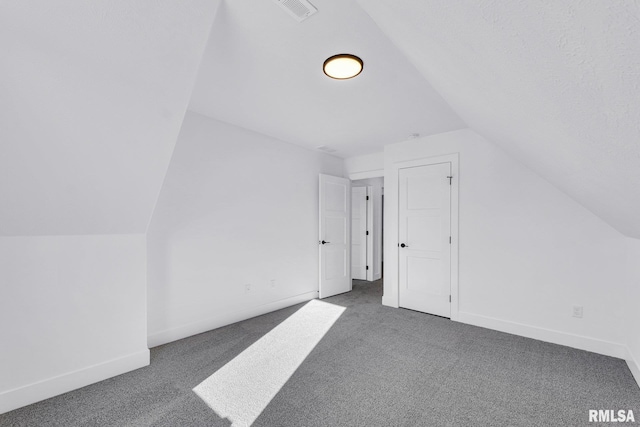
[556,84]
[92,96]
[262,70]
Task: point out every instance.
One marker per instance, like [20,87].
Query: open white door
[359,233]
[371,232]
[335,235]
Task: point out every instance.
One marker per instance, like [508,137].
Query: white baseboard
[35,392]
[556,337]
[223,319]
[634,368]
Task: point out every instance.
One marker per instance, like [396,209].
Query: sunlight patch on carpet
[242,389]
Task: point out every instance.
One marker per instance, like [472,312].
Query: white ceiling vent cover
[299,9]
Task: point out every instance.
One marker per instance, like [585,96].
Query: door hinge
[449,298]
[367,197]
[367,232]
[450,179]
[449,239]
[367,267]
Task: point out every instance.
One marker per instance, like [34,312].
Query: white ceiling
[262,70]
[92,95]
[555,83]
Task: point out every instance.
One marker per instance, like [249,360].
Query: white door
[371,232]
[425,238]
[359,233]
[335,235]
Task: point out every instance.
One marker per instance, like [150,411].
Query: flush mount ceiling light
[343,66]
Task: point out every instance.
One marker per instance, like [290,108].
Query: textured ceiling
[92,95]
[556,84]
[262,70]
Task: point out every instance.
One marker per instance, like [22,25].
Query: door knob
[402,245]
[323,242]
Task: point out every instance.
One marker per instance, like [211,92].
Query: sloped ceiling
[92,95]
[262,70]
[556,84]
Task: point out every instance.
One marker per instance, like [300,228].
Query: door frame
[391,295]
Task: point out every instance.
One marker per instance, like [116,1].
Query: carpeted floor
[377,366]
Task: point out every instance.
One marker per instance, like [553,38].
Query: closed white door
[359,233]
[425,238]
[335,235]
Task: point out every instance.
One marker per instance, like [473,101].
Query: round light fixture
[343,66]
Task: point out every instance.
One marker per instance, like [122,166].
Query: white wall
[73,312]
[375,229]
[632,300]
[527,252]
[236,208]
[93,95]
[366,166]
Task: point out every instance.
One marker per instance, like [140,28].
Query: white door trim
[377,173]
[390,297]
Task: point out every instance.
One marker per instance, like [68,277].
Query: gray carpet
[377,366]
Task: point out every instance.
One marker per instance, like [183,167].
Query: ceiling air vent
[299,9]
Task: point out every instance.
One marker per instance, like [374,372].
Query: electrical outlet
[577,311]
[272,283]
[247,287]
